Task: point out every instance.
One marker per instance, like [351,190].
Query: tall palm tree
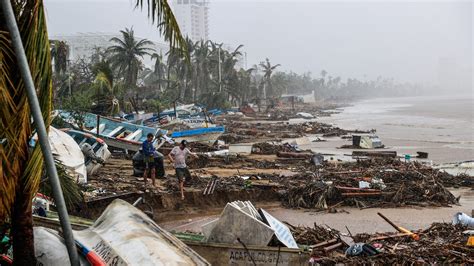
[159,69]
[59,55]
[126,54]
[21,168]
[267,74]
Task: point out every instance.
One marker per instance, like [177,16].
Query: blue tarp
[198,131]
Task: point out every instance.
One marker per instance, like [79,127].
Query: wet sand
[358,221]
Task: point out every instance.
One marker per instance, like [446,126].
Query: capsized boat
[99,149]
[203,135]
[116,133]
[68,152]
[123,235]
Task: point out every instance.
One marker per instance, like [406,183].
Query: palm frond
[71,190]
[22,167]
[161,13]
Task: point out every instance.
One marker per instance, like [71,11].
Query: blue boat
[203,135]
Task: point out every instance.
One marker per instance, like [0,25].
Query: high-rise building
[193,18]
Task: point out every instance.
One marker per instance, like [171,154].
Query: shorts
[183,174]
[149,162]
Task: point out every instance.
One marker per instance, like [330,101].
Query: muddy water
[358,221]
[443,126]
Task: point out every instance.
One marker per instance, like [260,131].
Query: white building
[83,45]
[193,18]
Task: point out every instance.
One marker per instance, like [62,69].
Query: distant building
[83,44]
[193,18]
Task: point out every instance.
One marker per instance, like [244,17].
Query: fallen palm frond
[71,190]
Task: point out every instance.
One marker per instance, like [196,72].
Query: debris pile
[441,243]
[310,236]
[374,183]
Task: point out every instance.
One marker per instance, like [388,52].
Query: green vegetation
[205,73]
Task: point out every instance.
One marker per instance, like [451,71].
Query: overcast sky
[403,40]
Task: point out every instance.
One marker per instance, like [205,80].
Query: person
[178,157]
[149,158]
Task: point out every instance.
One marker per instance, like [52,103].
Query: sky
[361,39]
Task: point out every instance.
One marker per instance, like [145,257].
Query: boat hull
[236,254]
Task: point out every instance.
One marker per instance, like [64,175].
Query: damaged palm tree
[25,69]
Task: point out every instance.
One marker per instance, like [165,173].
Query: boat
[99,148]
[66,151]
[202,135]
[237,254]
[139,230]
[115,133]
[122,235]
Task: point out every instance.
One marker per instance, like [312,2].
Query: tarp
[123,235]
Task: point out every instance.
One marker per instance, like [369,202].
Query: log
[386,154]
[332,247]
[302,155]
[361,194]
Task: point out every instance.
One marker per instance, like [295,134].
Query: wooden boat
[99,148]
[116,133]
[203,135]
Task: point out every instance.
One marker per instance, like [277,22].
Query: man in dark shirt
[149,158]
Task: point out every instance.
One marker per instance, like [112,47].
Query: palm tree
[159,69]
[21,168]
[267,73]
[126,54]
[59,55]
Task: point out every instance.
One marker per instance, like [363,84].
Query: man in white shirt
[178,157]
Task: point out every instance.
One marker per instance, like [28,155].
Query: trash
[364,184]
[463,219]
[361,249]
[367,142]
[317,159]
[305,115]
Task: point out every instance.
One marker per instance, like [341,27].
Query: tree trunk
[22,228]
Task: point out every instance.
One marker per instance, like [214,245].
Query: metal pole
[41,130]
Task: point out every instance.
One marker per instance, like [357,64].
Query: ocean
[443,126]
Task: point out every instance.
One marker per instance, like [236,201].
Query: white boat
[122,235]
[98,147]
[67,151]
[202,135]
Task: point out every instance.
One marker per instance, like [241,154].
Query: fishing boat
[202,135]
[125,234]
[99,148]
[116,133]
[122,235]
[66,151]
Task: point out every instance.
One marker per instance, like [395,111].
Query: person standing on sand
[178,157]
[149,158]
